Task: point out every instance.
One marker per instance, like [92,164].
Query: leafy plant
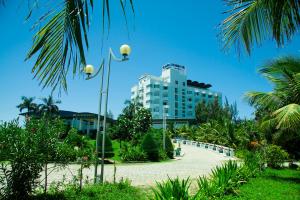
[172,189]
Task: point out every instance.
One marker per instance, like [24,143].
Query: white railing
[226,151]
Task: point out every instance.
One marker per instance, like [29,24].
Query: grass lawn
[272,185]
[116,147]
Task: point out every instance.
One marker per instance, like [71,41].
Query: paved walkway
[195,162]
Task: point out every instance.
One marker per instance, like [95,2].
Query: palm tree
[62,39]
[27,103]
[252,21]
[283,103]
[49,107]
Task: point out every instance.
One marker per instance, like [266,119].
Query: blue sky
[183,32]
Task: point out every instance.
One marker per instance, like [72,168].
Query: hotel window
[176,82]
[165,94]
[176,113]
[165,87]
[156,86]
[149,86]
[190,113]
[190,106]
[190,99]
[190,92]
[156,101]
[176,104]
[203,95]
[210,96]
[196,93]
[176,97]
[156,109]
[165,103]
[156,93]
[176,90]
[183,83]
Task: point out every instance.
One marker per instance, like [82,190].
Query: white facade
[172,92]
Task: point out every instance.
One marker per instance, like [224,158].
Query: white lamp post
[165,114]
[125,50]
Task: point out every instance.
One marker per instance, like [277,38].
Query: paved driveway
[195,162]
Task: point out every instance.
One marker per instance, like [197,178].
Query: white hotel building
[173,94]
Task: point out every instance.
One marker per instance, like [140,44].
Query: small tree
[109,152]
[47,133]
[169,147]
[150,147]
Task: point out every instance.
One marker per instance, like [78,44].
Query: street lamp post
[165,108]
[125,50]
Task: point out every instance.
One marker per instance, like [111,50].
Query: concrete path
[195,162]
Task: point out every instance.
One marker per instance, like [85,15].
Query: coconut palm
[252,21]
[283,103]
[27,103]
[62,38]
[49,107]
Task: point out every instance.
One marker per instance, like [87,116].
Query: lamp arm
[115,58]
[100,68]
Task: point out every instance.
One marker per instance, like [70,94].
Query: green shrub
[18,147]
[109,152]
[172,189]
[275,156]
[169,147]
[129,152]
[150,147]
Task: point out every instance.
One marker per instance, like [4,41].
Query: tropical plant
[253,21]
[173,189]
[283,103]
[49,107]
[27,103]
[224,180]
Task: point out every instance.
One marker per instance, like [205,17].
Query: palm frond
[59,42]
[288,117]
[252,21]
[264,99]
[62,41]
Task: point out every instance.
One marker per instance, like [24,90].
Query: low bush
[275,156]
[172,189]
[129,152]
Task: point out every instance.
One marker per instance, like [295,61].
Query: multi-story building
[172,94]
